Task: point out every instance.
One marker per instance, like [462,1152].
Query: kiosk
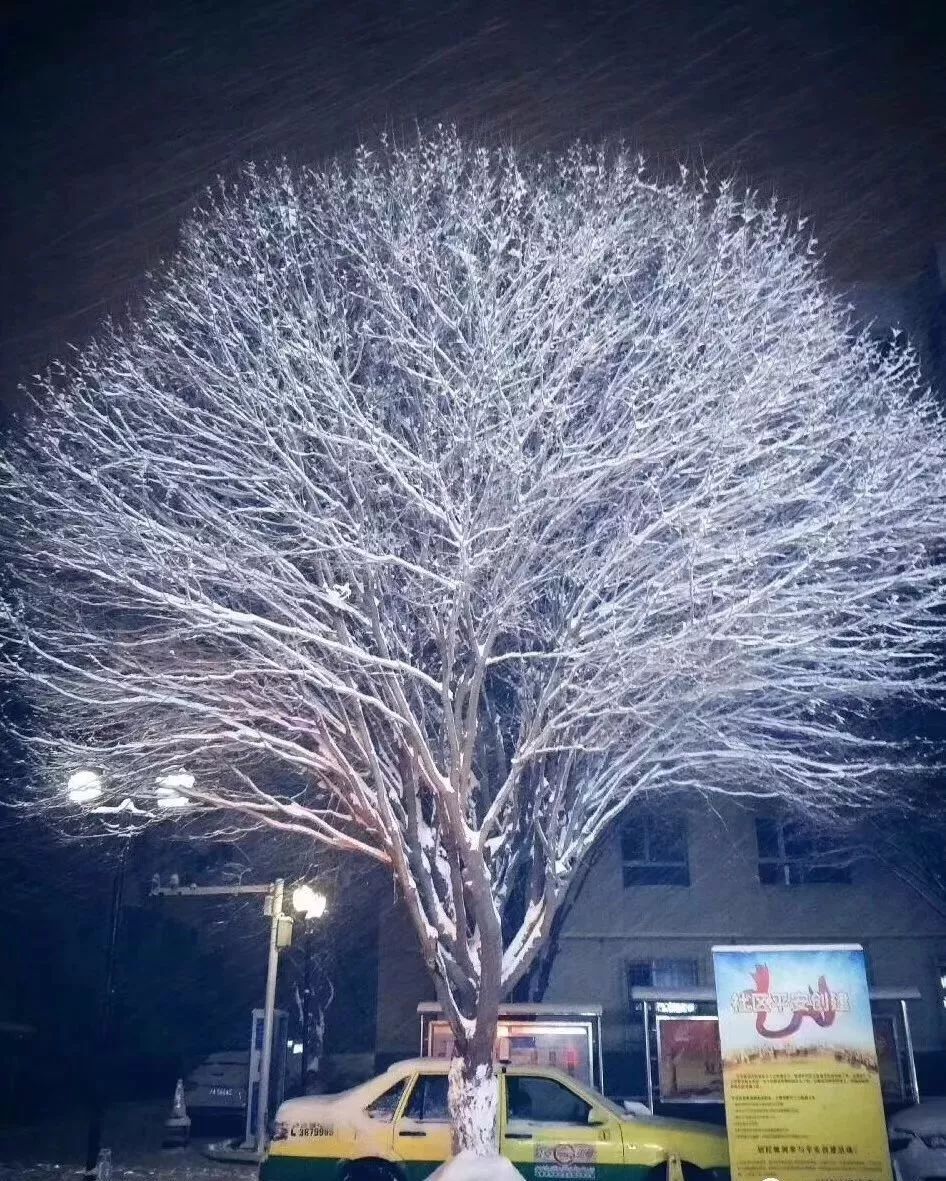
[565,1036]
[681,1044]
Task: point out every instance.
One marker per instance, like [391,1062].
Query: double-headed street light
[85,788]
[311,905]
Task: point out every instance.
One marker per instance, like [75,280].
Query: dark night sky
[116,115]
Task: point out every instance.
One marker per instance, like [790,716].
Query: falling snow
[479,542]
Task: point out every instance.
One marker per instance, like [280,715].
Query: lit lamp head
[84,787]
[308,902]
[171,788]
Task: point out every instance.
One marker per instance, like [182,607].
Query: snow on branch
[437,504]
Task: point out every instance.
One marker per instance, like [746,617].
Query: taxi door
[549,1130]
[423,1134]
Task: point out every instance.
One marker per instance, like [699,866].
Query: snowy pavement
[467,1167]
[54,1150]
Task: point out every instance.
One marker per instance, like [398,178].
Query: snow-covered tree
[437,505]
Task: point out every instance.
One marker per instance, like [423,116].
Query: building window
[668,974]
[663,974]
[790,855]
[654,851]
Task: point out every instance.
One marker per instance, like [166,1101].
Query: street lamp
[85,787]
[308,902]
[311,905]
[170,790]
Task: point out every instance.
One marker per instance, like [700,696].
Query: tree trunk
[474,1105]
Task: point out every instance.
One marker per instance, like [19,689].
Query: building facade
[665,887]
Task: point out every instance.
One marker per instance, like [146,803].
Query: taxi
[397,1128]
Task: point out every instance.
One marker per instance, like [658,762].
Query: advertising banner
[800,1071]
[689,1061]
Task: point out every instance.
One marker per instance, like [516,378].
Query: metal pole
[249,1138]
[306,1004]
[650,1082]
[911,1062]
[597,1026]
[269,1007]
[102,1066]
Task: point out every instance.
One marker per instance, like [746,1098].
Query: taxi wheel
[370,1170]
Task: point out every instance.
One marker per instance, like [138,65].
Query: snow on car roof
[312,1104]
[442,1066]
[428,1065]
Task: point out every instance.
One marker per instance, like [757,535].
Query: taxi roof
[429,1065]
[442,1066]
[367,1091]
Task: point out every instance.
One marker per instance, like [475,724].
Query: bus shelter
[682,1054]
[564,1036]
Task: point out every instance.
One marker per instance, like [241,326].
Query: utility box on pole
[277,1081]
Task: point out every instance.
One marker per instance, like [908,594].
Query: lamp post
[84,789]
[311,905]
[280,933]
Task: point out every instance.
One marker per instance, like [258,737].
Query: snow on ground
[467,1167]
[54,1149]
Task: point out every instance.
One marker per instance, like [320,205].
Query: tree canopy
[437,504]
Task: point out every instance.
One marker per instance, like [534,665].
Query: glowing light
[171,788]
[309,902]
[176,781]
[172,799]
[84,787]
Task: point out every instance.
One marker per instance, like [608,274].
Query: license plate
[222,1092]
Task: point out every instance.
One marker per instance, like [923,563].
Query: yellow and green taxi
[396,1128]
